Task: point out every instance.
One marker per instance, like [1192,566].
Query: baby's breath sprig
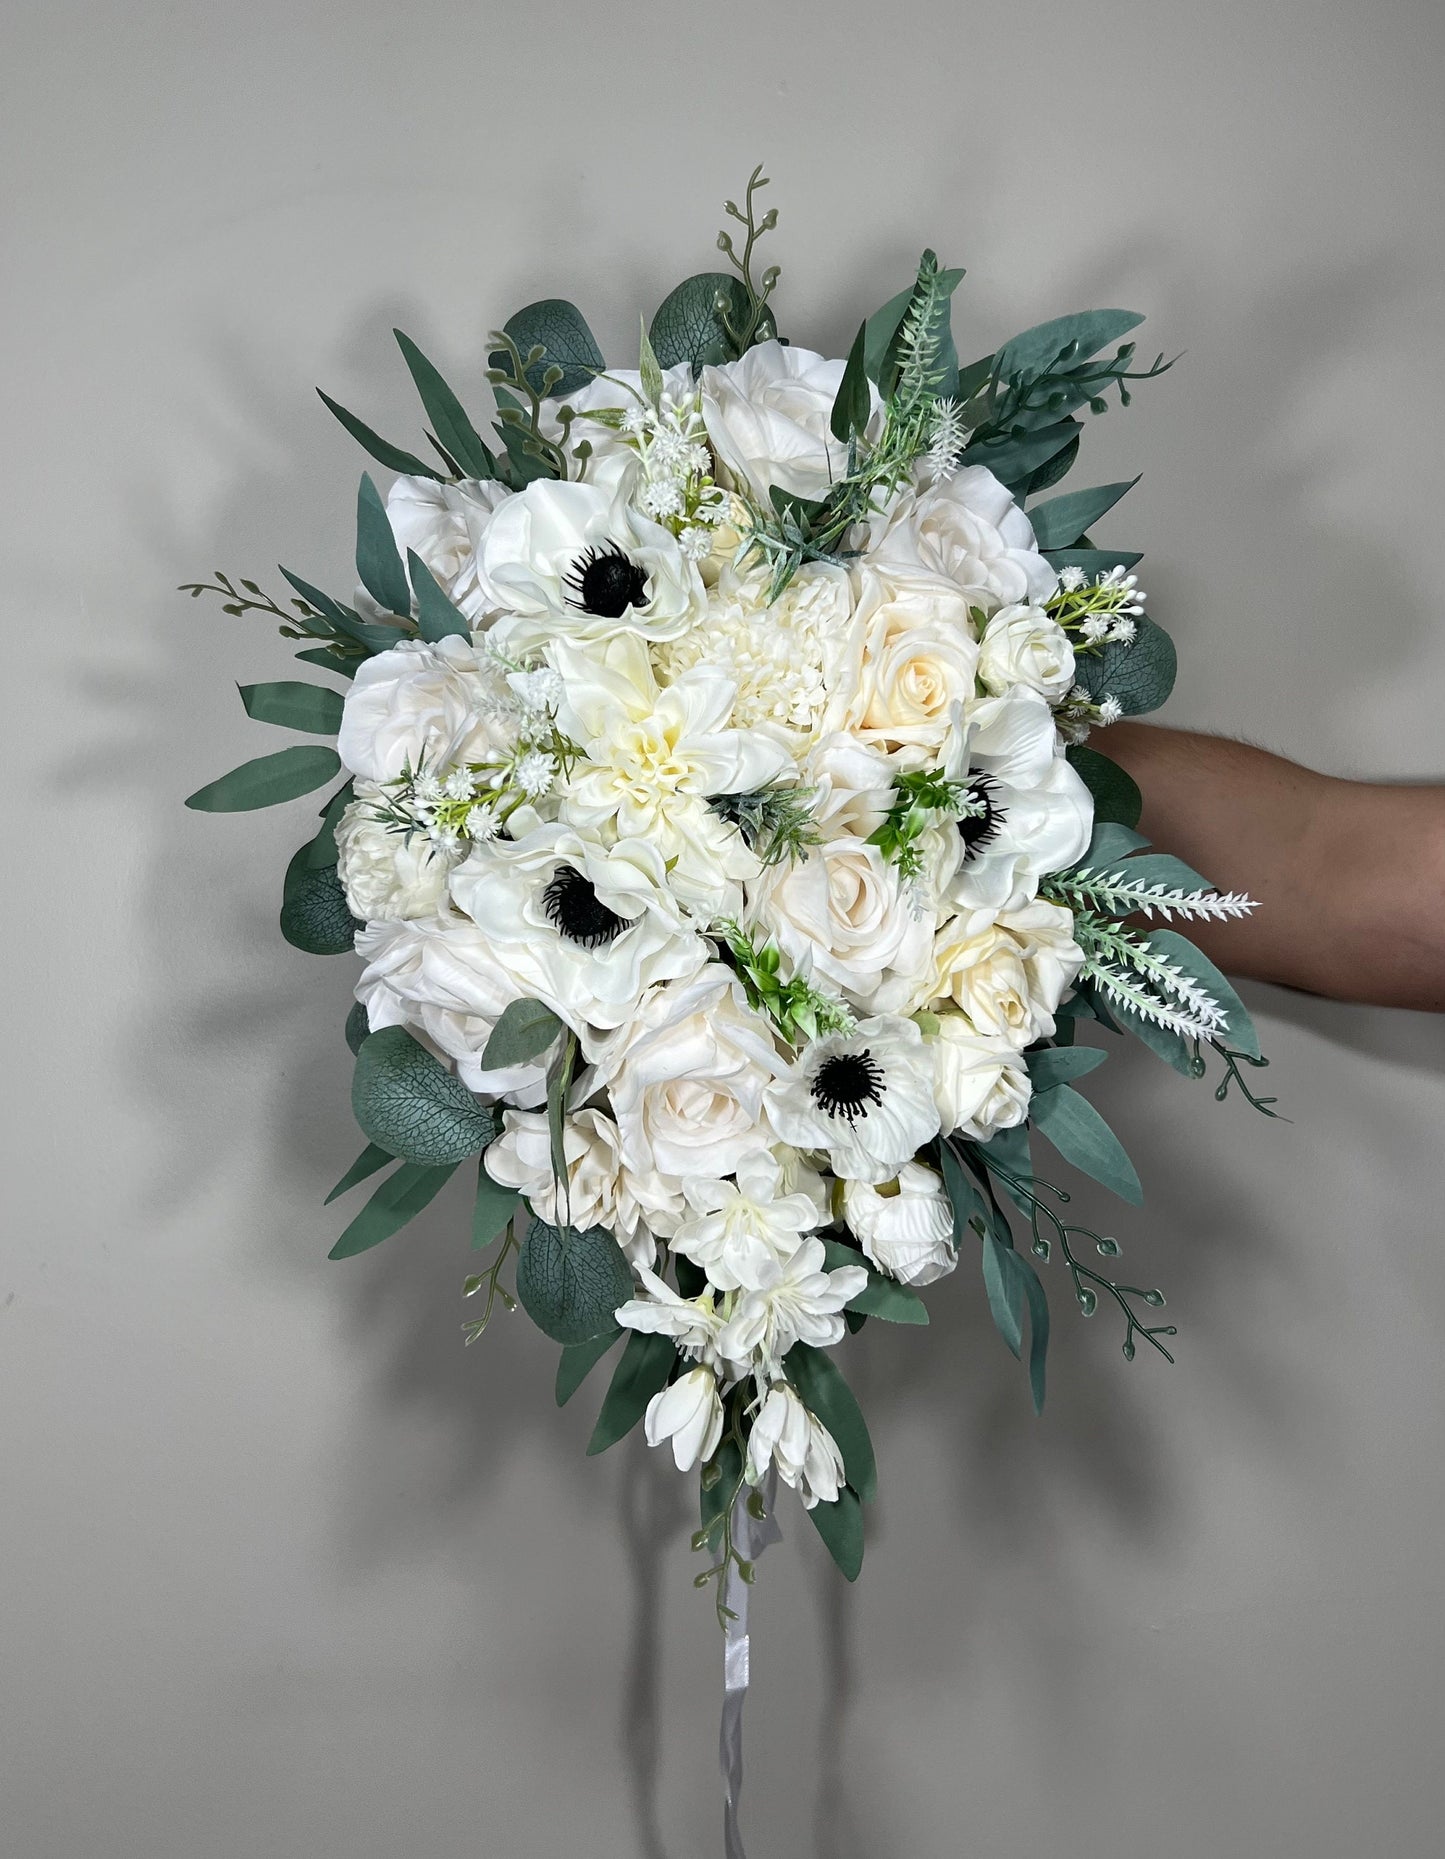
[777,820]
[919,796]
[799,1010]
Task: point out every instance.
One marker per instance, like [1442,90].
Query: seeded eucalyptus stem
[755,329]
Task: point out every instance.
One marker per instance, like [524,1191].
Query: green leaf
[329,659]
[493,1207]
[1115,791]
[1005,1293]
[578,1361]
[1060,1065]
[294,705]
[409,1102]
[1009,1149]
[380,449]
[840,1525]
[315,915]
[650,370]
[454,430]
[1051,471]
[366,1164]
[567,343]
[1140,674]
[1092,330]
[377,561]
[373,638]
[1082,1137]
[820,1382]
[641,1372]
[1063,520]
[1110,843]
[322,849]
[1151,868]
[880,1297]
[267,781]
[524,1032]
[963,1196]
[436,617]
[1240,1032]
[358,1027]
[880,331]
[1026,1288]
[400,1198]
[1012,459]
[945,283]
[572,1283]
[852,404]
[1093,561]
[687,327]
[1167,1045]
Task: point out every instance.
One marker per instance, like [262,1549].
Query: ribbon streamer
[751,1539]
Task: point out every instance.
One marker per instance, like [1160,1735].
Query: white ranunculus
[785,1434]
[918,660]
[980,1082]
[905,1226]
[742,1232]
[1005,974]
[690,1414]
[584,926]
[1023,645]
[386,874]
[767,417]
[1036,816]
[685,1078]
[598,1192]
[437,976]
[421,705]
[804,1303]
[968,529]
[443,524]
[563,560]
[865,1098]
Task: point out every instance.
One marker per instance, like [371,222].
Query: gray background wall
[286,1571]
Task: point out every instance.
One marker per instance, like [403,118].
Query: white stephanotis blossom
[1024,645]
[694,1323]
[386,875]
[653,756]
[743,1232]
[917,662]
[767,416]
[980,1081]
[422,705]
[786,1434]
[1005,973]
[803,1304]
[598,1190]
[865,1098]
[564,560]
[905,1226]
[686,1078]
[443,524]
[437,976]
[689,1413]
[968,529]
[1030,813]
[584,926]
[841,916]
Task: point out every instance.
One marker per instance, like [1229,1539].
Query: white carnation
[598,1190]
[386,874]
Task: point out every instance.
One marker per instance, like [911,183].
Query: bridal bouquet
[731,865]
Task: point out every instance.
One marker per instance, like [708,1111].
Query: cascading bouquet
[729,871]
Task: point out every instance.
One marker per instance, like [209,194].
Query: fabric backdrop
[288,1571]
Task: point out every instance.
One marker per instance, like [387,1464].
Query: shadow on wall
[1008,1481]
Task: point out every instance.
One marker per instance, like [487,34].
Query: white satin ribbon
[751,1538]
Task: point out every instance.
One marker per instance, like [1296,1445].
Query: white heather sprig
[947,439]
[1116,892]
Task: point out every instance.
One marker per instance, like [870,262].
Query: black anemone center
[846,1084]
[578,913]
[979,827]
[606,582]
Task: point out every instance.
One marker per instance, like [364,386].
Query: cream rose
[1006,976]
[1024,645]
[917,660]
[905,1226]
[979,1081]
[767,417]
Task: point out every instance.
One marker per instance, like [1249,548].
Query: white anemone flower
[575,560]
[690,1414]
[743,1232]
[803,1304]
[865,1097]
[787,1435]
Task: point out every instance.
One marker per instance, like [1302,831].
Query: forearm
[1349,876]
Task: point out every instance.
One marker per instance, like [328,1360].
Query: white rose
[417,705]
[905,1226]
[685,1078]
[969,529]
[689,1413]
[599,1190]
[1006,976]
[386,875]
[1024,645]
[918,660]
[767,417]
[443,523]
[980,1083]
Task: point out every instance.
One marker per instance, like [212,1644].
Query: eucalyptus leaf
[852,404]
[578,1360]
[492,1208]
[1140,674]
[358,1026]
[560,330]
[268,781]
[880,1297]
[1115,792]
[524,1031]
[322,849]
[641,1372]
[1090,330]
[840,1525]
[377,561]
[408,1102]
[1005,1292]
[1082,1137]
[1054,468]
[1053,1065]
[382,450]
[963,1195]
[399,1199]
[294,705]
[436,617]
[315,915]
[1110,843]
[1062,520]
[819,1381]
[454,429]
[1240,1032]
[1011,459]
[366,1164]
[329,659]
[572,1283]
[686,326]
